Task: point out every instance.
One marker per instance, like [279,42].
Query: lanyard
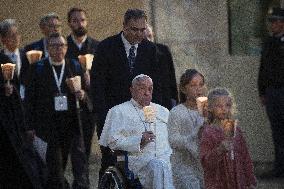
[58,80]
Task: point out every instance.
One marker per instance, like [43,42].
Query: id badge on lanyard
[60,101]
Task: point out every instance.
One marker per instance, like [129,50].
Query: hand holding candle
[8,70]
[34,56]
[149,113]
[229,127]
[202,105]
[86,61]
[74,84]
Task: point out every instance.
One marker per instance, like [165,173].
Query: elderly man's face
[52,26]
[78,23]
[133,30]
[142,92]
[57,49]
[12,39]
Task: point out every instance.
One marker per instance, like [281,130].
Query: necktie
[14,58]
[131,57]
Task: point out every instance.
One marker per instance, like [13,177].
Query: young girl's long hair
[184,80]
[213,95]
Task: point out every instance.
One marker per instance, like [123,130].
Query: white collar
[127,45]
[136,104]
[56,63]
[76,42]
[9,53]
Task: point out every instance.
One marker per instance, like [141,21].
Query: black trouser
[58,148]
[12,173]
[80,155]
[275,112]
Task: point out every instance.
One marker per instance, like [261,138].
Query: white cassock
[123,130]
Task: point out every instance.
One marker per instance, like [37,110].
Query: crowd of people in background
[191,145]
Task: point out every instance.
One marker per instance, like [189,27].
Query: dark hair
[134,14]
[186,77]
[72,10]
[54,35]
[44,20]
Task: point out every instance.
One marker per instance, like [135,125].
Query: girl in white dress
[184,124]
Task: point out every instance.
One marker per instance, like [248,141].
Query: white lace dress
[183,125]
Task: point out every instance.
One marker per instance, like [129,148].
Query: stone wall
[105,16]
[197,33]
[195,30]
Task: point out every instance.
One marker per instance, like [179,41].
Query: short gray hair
[139,78]
[6,25]
[44,20]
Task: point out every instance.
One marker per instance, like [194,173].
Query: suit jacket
[111,76]
[40,94]
[168,76]
[88,47]
[271,70]
[37,45]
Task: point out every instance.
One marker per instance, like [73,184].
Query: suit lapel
[121,52]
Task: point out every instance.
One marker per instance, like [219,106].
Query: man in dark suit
[167,70]
[19,163]
[118,60]
[51,106]
[48,24]
[271,86]
[79,43]
[10,38]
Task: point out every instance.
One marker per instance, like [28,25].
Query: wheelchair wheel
[112,179]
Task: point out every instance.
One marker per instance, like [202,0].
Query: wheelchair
[119,176]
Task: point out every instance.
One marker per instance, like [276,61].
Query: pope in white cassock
[145,138]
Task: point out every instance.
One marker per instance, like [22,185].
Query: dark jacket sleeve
[99,79]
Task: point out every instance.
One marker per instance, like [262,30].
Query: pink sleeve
[209,154]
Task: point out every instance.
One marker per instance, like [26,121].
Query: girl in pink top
[223,150]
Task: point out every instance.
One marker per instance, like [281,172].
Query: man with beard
[79,43]
[49,23]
